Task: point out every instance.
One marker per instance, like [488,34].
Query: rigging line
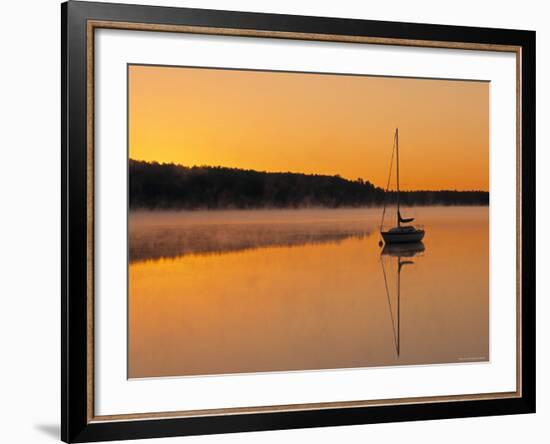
[387,185]
[389,304]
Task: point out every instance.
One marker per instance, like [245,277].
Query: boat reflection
[403,250]
[402,254]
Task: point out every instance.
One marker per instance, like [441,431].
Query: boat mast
[397,148]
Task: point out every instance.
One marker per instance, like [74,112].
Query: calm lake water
[278,290]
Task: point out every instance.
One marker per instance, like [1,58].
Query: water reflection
[398,251]
[261,291]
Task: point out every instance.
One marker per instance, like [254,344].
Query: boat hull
[402,237]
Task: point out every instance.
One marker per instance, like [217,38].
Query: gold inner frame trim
[92,25]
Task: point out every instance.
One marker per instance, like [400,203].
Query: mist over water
[216,292]
[169,234]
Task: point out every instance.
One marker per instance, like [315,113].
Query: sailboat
[400,233]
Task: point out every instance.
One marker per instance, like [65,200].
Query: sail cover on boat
[404,220]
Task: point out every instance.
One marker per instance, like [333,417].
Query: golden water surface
[277,290]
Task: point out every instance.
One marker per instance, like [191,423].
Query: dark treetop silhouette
[169,186]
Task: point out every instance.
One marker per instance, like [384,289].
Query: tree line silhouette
[154,185]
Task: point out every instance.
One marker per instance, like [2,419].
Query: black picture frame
[76,423]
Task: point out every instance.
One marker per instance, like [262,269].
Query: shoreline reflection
[150,243]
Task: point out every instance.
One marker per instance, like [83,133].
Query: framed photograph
[275,221]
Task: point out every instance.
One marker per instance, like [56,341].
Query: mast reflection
[402,254]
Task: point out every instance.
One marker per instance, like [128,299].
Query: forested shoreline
[169,186]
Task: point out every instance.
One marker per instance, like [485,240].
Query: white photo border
[115,394]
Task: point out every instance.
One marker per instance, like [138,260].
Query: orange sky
[312,123]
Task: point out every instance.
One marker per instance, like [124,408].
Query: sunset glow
[313,123]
